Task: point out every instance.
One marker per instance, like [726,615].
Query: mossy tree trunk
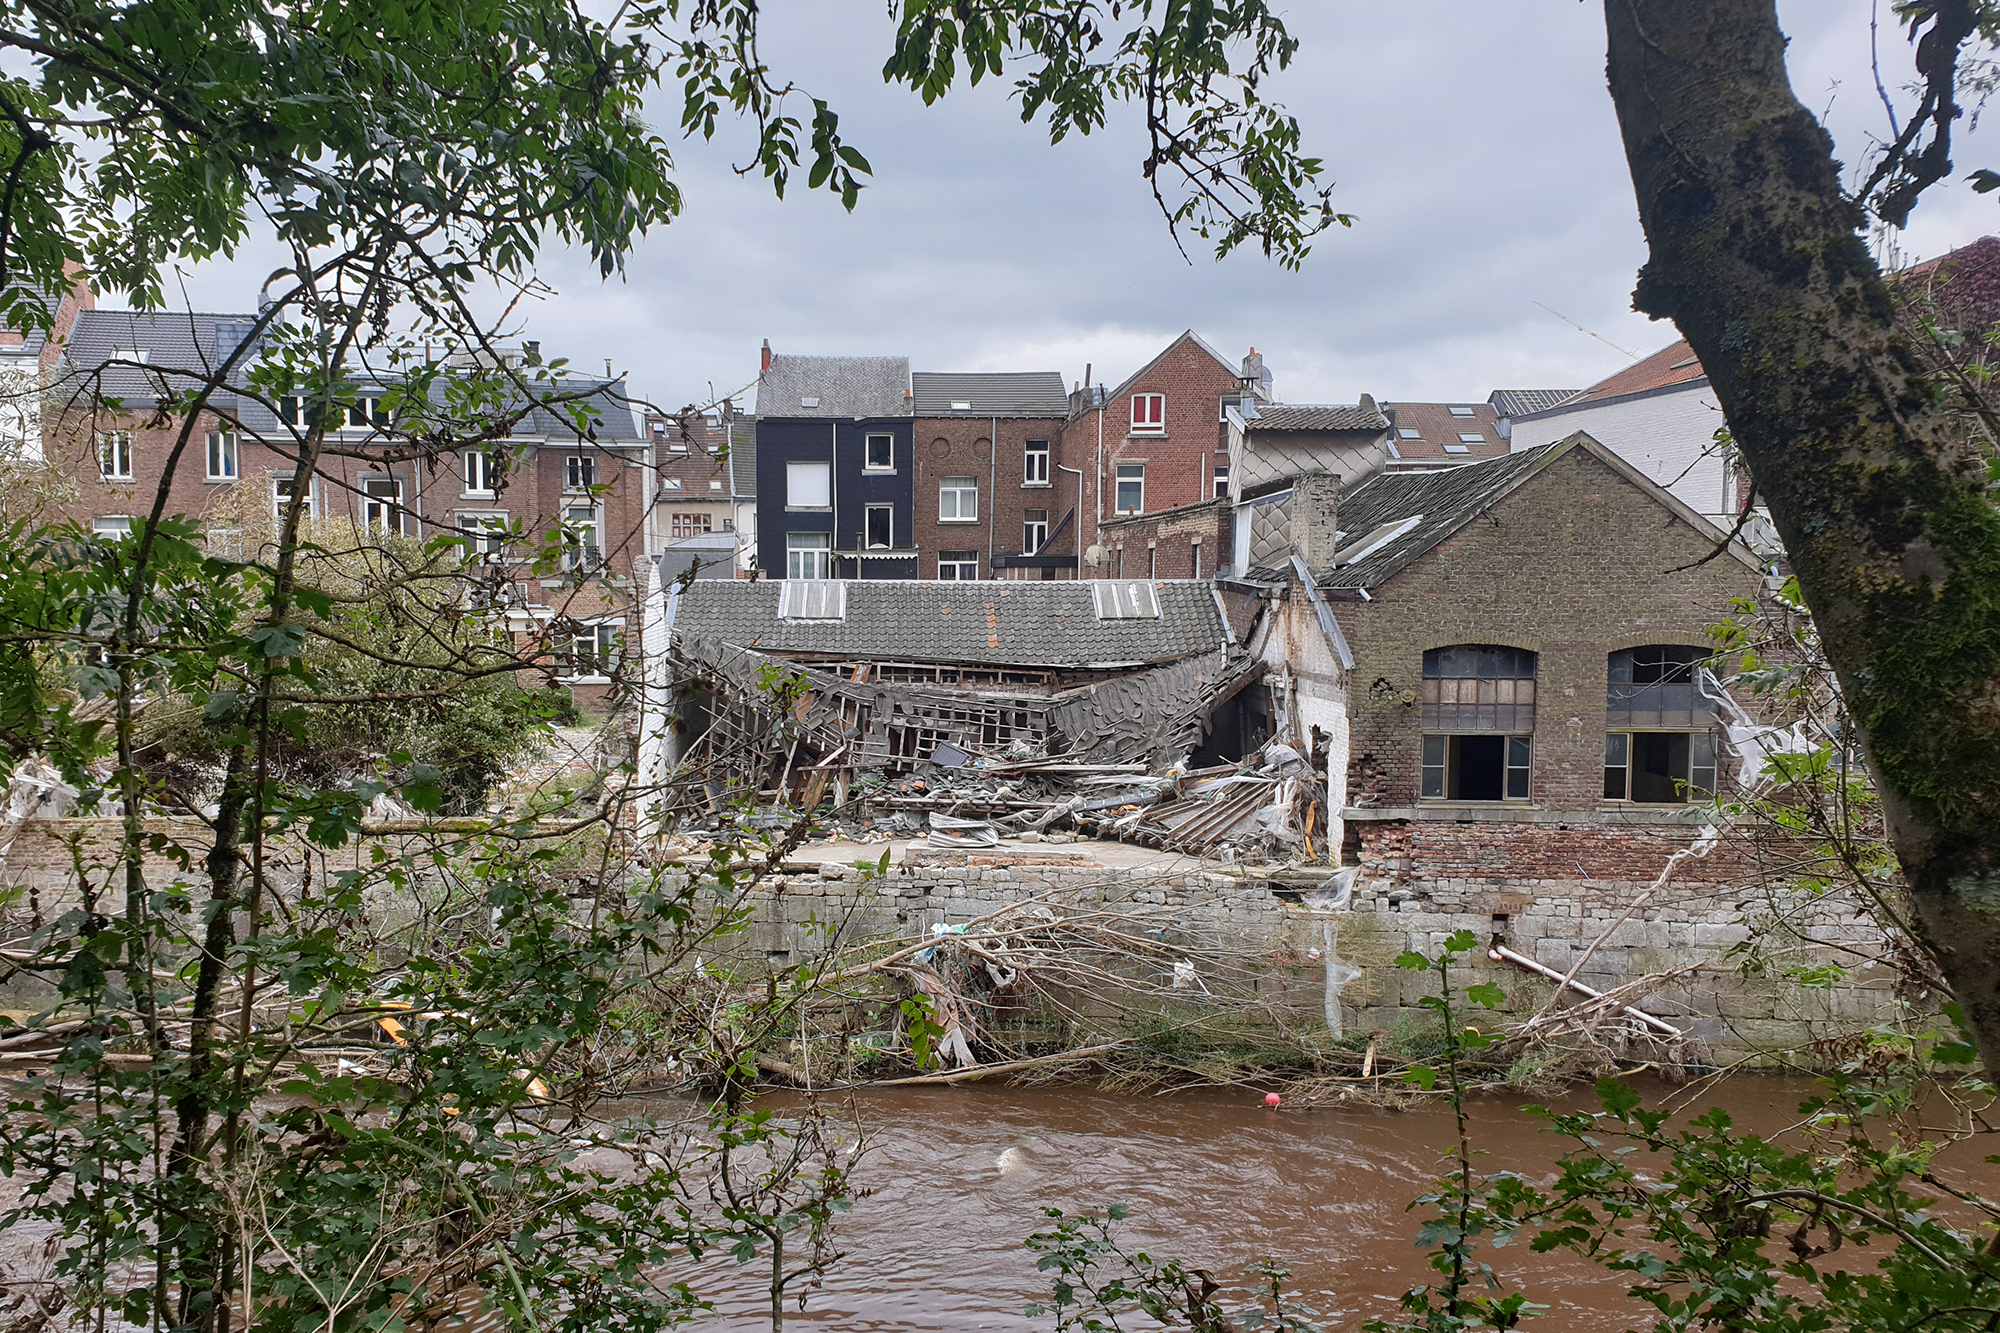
[1756,254]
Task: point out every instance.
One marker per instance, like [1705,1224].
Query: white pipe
[1500,953]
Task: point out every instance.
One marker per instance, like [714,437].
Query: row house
[993,497]
[704,517]
[543,480]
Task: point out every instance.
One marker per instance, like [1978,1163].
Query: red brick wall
[1182,543]
[1424,853]
[1574,564]
[1180,462]
[992,450]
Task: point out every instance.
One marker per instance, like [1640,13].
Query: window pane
[881,451]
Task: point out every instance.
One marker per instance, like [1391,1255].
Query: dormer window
[1149,413]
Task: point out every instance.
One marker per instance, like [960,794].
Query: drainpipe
[833,494]
[993,474]
[1079,511]
[1097,523]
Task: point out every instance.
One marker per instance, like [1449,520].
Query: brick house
[992,497]
[1156,442]
[1509,643]
[586,490]
[705,465]
[835,457]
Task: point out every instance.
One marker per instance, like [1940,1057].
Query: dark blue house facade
[836,457]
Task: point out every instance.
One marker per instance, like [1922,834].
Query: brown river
[959,1175]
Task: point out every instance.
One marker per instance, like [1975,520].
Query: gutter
[1327,624]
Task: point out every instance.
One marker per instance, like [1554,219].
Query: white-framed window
[581,547]
[715,486]
[222,455]
[808,485]
[1149,413]
[880,527]
[482,472]
[485,534]
[879,454]
[670,483]
[592,651]
[284,486]
[692,525]
[114,455]
[957,566]
[1130,496]
[382,505]
[808,555]
[579,472]
[297,411]
[958,500]
[1034,530]
[111,525]
[367,414]
[1222,481]
[1035,463]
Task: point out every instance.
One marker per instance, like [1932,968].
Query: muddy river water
[959,1176]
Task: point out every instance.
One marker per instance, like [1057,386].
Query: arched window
[1479,723]
[1659,737]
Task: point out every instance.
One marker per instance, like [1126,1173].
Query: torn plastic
[1755,743]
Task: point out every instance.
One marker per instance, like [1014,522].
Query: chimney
[532,351]
[767,357]
[1368,403]
[1315,519]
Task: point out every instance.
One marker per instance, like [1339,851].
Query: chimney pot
[1316,519]
[767,356]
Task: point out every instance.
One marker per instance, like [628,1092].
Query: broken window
[954,565]
[1477,768]
[1659,767]
[1654,685]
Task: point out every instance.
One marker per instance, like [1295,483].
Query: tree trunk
[1756,253]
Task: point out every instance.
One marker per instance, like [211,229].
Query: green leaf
[1486,993]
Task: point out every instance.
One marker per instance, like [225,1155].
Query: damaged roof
[1032,393]
[1395,517]
[1315,416]
[992,623]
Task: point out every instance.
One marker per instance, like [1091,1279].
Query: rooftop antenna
[1587,333]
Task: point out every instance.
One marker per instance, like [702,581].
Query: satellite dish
[1095,555]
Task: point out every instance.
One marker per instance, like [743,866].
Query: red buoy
[1272,1099]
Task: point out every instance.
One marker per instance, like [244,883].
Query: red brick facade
[993,451]
[1183,543]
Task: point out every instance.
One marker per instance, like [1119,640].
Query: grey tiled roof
[1520,402]
[178,349]
[1316,416]
[32,340]
[1446,499]
[837,386]
[1033,393]
[743,457]
[998,622]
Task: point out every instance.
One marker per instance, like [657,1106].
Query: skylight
[1473,438]
[1461,411]
[1410,433]
[1116,600]
[812,599]
[1377,539]
[1458,448]
[961,407]
[808,402]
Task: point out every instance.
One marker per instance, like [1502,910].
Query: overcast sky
[1473,140]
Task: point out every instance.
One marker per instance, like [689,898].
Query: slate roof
[1520,402]
[839,386]
[1315,416]
[1436,427]
[32,340]
[179,348]
[1446,499]
[743,457]
[996,622]
[1032,393]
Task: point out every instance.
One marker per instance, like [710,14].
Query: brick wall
[1184,543]
[992,449]
[1179,461]
[1573,564]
